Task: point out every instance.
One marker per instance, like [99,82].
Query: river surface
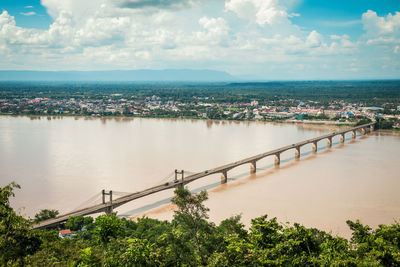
[63,163]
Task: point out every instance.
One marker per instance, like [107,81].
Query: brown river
[63,163]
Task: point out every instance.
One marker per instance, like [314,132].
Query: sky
[250,39]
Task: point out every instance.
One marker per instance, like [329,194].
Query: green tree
[107,227]
[45,215]
[232,226]
[335,251]
[363,121]
[16,239]
[76,223]
[191,226]
[147,228]
[138,253]
[88,258]
[384,124]
[236,251]
[56,251]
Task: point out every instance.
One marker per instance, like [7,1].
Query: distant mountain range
[118,75]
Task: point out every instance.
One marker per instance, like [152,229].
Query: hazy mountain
[118,75]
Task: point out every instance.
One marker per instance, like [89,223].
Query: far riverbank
[315,122]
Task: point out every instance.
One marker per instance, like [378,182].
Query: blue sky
[340,16]
[17,8]
[255,39]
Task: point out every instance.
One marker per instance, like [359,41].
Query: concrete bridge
[108,206]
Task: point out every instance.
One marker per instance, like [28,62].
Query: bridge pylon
[109,208]
[182,173]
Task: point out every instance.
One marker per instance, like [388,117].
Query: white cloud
[28,7]
[28,13]
[108,34]
[261,12]
[216,31]
[314,39]
[377,26]
[382,33]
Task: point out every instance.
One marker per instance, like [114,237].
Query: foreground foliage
[190,240]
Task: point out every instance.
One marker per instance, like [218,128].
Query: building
[65,233]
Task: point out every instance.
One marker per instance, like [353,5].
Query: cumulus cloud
[216,31]
[383,32]
[260,11]
[77,9]
[377,26]
[314,39]
[14,35]
[129,34]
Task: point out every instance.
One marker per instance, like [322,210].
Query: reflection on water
[61,161]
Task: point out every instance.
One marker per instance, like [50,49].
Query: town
[200,107]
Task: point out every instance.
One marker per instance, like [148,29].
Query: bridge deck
[170,185]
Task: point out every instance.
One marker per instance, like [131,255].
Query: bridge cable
[92,200]
[190,172]
[121,194]
[169,177]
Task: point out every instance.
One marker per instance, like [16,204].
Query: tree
[16,239]
[107,227]
[45,215]
[88,258]
[232,226]
[190,221]
[138,253]
[147,228]
[363,121]
[76,223]
[361,233]
[384,124]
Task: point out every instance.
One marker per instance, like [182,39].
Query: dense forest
[190,239]
[368,92]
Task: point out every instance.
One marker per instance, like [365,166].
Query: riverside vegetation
[188,240]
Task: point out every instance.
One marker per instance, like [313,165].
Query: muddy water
[61,163]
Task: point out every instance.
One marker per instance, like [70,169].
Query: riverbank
[315,122]
[320,122]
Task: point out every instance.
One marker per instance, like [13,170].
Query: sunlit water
[62,162]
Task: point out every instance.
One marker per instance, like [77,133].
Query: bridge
[108,206]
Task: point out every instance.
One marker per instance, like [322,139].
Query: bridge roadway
[110,205]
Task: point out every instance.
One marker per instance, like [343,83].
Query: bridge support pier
[342,138]
[277,159]
[354,134]
[224,177]
[329,142]
[297,152]
[372,128]
[253,167]
[109,210]
[363,132]
[314,147]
